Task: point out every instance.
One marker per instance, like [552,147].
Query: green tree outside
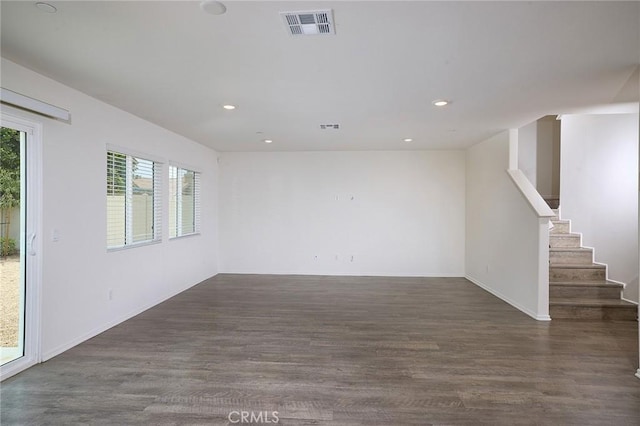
[9,181]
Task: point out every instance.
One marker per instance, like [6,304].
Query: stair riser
[560,274]
[593,313]
[560,228]
[582,292]
[576,258]
[560,240]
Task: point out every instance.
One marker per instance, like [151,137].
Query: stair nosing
[577,265]
[596,303]
[603,284]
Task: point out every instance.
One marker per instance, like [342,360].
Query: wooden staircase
[578,287]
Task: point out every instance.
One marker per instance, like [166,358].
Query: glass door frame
[33,243]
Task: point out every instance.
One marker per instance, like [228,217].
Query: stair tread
[555,237]
[577,265]
[604,284]
[559,221]
[561,301]
[570,249]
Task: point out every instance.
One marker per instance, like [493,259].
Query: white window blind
[134,203]
[184,202]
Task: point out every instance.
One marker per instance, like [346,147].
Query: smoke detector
[311,22]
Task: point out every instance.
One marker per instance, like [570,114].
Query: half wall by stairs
[578,287]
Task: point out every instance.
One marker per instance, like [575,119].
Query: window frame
[157,167]
[175,225]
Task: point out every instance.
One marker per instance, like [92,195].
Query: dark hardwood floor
[337,351]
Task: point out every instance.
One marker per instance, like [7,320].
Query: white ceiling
[502,64]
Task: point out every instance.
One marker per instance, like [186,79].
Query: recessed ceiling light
[229,107]
[268,141]
[213,7]
[441,102]
[407,140]
[46,7]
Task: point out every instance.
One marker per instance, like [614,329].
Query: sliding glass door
[19,247]
[12,243]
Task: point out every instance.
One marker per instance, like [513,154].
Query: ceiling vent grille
[329,126]
[313,22]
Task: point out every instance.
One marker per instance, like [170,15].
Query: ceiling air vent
[329,126]
[312,22]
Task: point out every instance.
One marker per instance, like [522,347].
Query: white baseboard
[516,305]
[630,301]
[624,285]
[118,320]
[350,274]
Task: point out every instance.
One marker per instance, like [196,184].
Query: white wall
[503,232]
[396,213]
[77,270]
[528,151]
[599,189]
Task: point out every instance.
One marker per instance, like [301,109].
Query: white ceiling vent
[312,22]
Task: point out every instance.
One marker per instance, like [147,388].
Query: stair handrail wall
[507,238]
[544,213]
[529,192]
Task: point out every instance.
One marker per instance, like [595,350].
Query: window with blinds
[184,202]
[134,202]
